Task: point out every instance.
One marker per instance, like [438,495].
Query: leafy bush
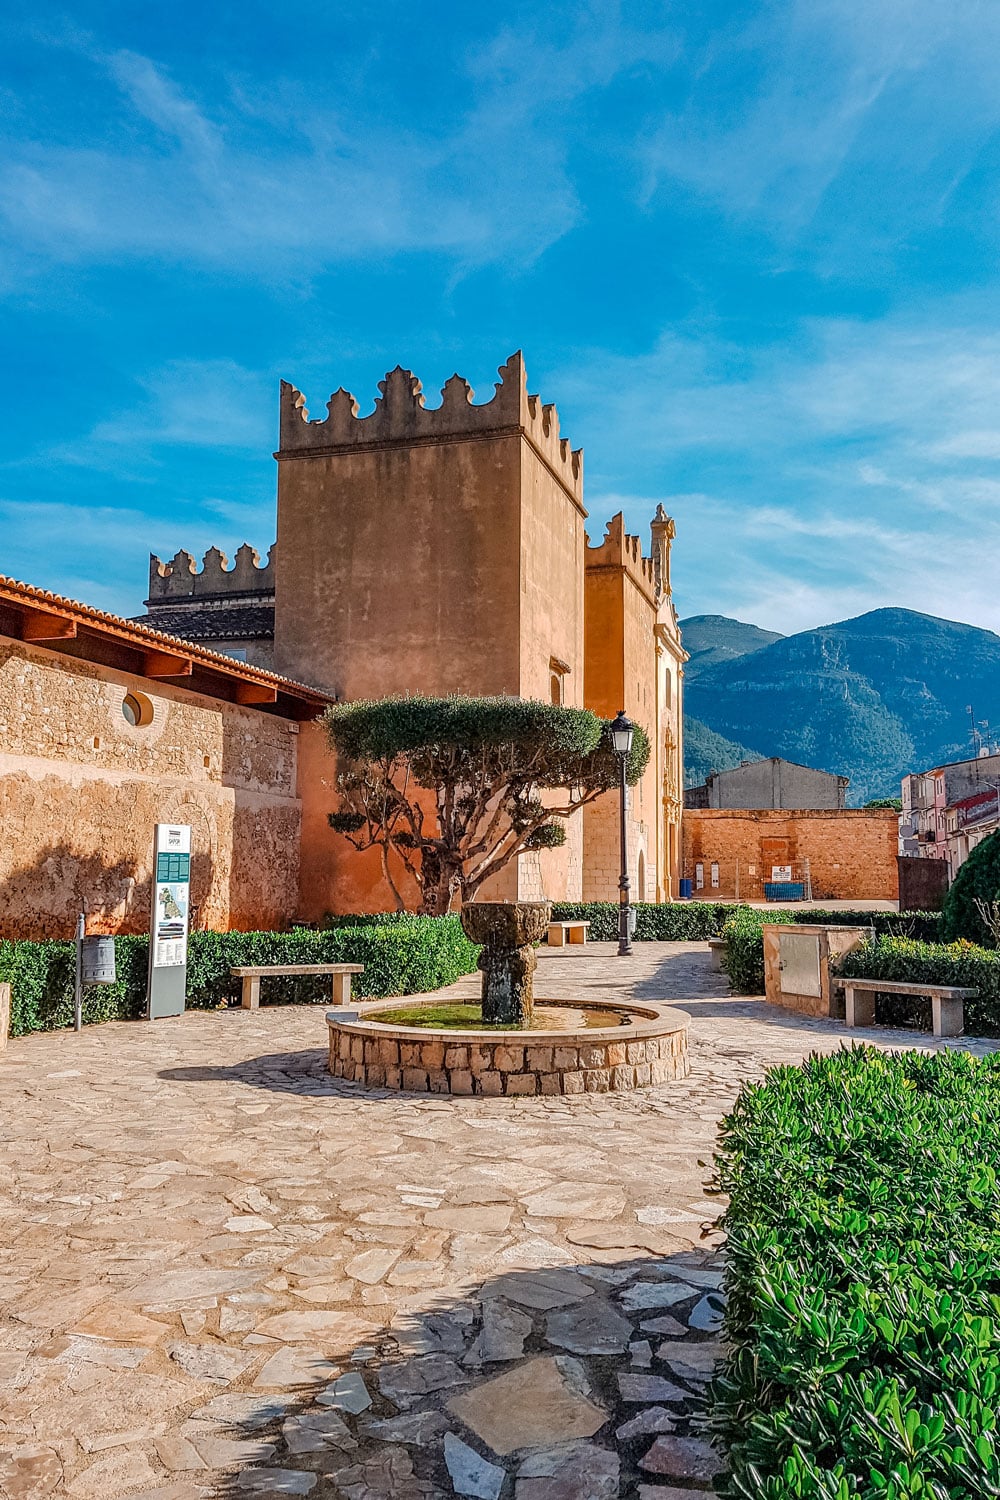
[743,959]
[912,962]
[681,921]
[404,955]
[977,880]
[863,1321]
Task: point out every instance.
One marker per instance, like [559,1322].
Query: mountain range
[871,698]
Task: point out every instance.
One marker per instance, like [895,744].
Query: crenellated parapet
[180,578]
[402,417]
[621,550]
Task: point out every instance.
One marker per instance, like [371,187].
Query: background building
[770,783]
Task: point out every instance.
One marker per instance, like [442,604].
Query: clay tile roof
[235,623]
[101,622]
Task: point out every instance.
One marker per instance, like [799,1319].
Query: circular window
[137,710]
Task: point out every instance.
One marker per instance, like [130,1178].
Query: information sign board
[169,919]
[781,873]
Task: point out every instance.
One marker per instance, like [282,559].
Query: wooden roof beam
[252,693]
[165,664]
[44,625]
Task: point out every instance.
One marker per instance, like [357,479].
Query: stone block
[538,1059]
[573,1083]
[567,1058]
[550,1083]
[521,1083]
[393,1078]
[480,1059]
[597,1081]
[635,1052]
[415,1080]
[653,1049]
[388,1052]
[456,1057]
[375,1075]
[461,1081]
[509,1059]
[437,1081]
[623,1077]
[643,1075]
[662,1071]
[344,1044]
[489,1084]
[432,1054]
[615,1052]
[410,1054]
[593,1057]
[357,1049]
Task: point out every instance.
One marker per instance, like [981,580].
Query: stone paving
[224,1273]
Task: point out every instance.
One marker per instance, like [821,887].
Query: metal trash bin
[685,888]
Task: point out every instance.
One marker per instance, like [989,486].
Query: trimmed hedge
[679,921]
[863,1321]
[978,878]
[904,959]
[697,921]
[743,959]
[402,956]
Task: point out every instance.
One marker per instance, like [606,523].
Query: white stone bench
[561,933]
[947,1002]
[252,977]
[717,948]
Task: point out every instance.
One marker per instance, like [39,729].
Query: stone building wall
[81,789]
[427,550]
[851,854]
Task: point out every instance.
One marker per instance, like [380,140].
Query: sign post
[169,920]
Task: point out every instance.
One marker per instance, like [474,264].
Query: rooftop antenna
[977,739]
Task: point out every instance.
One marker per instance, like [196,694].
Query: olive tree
[455,786]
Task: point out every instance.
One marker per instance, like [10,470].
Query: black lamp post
[622,730]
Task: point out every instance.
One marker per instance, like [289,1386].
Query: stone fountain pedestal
[507,931]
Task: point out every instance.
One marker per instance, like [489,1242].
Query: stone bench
[561,933]
[947,1002]
[717,948]
[252,977]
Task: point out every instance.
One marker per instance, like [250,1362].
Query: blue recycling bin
[685,890]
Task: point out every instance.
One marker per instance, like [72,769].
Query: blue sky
[750,250]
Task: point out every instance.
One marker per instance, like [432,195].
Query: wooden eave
[86,634]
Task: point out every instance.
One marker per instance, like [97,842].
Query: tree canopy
[454,786]
[975,889]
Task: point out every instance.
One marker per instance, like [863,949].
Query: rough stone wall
[851,854]
[80,791]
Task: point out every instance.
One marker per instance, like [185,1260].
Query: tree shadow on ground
[578,1382]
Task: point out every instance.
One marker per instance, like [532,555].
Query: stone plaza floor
[223,1272]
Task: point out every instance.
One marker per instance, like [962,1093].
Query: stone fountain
[508,931]
[606,1045]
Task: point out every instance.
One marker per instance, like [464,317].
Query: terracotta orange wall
[852,854]
[620,671]
[398,569]
[81,791]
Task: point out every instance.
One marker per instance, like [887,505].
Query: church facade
[444,550]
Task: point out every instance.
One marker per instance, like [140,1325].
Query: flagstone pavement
[223,1272]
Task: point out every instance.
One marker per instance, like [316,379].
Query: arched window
[556,687]
[640,894]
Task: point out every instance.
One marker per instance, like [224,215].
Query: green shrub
[743,959]
[929,963]
[978,879]
[863,1319]
[678,921]
[402,956]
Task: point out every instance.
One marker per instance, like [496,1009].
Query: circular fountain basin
[640,1045]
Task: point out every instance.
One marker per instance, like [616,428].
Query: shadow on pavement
[568,1383]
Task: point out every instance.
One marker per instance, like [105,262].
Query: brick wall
[851,854]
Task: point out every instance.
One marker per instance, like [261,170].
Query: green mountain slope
[705,752]
[871,698]
[711,639]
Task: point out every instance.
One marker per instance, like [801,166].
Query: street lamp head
[622,730]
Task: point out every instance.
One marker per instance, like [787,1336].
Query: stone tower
[434,550]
